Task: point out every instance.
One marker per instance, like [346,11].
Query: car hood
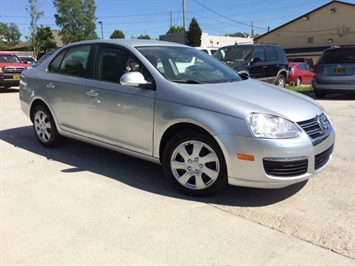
[14,65]
[243,97]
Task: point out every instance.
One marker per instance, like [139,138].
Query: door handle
[92,93]
[50,85]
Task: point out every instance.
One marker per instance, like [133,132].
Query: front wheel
[45,128]
[194,164]
[298,82]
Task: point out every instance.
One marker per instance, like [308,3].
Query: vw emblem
[323,125]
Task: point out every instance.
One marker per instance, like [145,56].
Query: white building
[207,40]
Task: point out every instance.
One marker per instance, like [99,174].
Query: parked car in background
[300,73]
[28,59]
[203,123]
[335,71]
[11,68]
[265,62]
[208,50]
[44,57]
[306,60]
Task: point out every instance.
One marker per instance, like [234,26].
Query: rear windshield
[338,56]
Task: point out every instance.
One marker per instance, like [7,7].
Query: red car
[300,73]
[10,69]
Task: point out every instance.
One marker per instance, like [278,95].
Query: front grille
[311,127]
[285,168]
[322,158]
[14,70]
[318,128]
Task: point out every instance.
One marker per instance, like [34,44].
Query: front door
[119,115]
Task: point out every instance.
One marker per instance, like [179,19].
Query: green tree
[77,19]
[35,15]
[193,35]
[117,34]
[45,38]
[144,37]
[4,31]
[174,29]
[13,34]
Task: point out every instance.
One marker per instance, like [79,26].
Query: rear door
[65,84]
[272,64]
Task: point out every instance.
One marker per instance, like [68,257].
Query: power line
[235,21]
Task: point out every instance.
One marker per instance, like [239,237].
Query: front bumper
[10,80]
[278,162]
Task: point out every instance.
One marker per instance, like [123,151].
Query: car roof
[129,42]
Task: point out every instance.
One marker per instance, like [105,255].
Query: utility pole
[252,29]
[184,13]
[171,19]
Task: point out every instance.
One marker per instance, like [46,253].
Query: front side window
[72,61]
[235,54]
[113,62]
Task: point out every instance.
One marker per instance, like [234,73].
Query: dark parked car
[300,73]
[266,62]
[335,71]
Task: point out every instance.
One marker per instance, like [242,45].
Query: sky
[154,17]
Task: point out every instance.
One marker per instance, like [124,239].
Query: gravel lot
[80,204]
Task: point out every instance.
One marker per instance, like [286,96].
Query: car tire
[45,128]
[298,82]
[280,81]
[194,163]
[320,94]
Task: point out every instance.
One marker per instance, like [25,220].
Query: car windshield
[338,56]
[232,54]
[9,58]
[188,65]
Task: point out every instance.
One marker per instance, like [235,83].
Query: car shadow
[135,172]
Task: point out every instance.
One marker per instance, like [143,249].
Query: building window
[310,39]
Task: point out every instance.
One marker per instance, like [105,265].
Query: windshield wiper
[189,81]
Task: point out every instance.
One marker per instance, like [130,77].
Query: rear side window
[71,62]
[270,54]
[338,56]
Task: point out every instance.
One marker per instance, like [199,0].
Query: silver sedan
[177,106]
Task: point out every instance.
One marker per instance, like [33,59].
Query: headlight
[271,127]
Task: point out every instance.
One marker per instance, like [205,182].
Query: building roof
[304,15]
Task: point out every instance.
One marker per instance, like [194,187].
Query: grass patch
[301,89]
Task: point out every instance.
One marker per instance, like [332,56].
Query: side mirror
[133,79]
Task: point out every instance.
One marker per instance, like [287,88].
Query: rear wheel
[194,164]
[45,128]
[280,81]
